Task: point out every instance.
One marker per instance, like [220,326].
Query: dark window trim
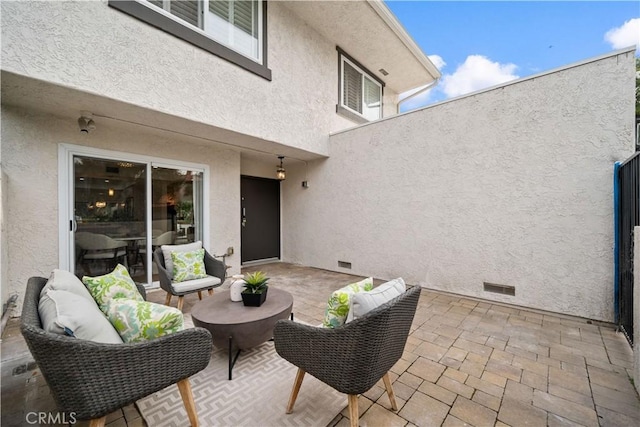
[362,67]
[344,111]
[168,25]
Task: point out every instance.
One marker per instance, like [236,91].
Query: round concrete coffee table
[234,326]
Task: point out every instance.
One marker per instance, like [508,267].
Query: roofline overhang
[392,22]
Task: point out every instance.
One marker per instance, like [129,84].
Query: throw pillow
[338,306]
[188,265]
[62,280]
[142,320]
[363,302]
[167,249]
[65,313]
[117,284]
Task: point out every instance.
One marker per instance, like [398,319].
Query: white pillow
[62,280]
[66,313]
[167,249]
[363,302]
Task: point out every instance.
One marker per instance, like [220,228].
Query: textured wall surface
[510,186]
[30,164]
[94,48]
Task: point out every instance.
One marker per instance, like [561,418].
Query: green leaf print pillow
[117,284]
[142,320]
[340,301]
[188,265]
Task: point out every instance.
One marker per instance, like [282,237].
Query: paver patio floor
[467,362]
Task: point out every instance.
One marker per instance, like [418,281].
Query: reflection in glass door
[124,210]
[109,215]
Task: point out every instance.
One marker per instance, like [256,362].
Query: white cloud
[476,73]
[437,61]
[627,34]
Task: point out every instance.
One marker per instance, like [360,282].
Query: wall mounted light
[111,192]
[85,122]
[281,174]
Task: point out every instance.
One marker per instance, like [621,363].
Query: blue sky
[478,44]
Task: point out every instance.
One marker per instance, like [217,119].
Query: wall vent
[499,289]
[344,264]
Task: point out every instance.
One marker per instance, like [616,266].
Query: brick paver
[466,363]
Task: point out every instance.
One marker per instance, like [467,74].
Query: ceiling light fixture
[281,174]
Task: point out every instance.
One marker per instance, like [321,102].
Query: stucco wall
[509,186]
[94,48]
[30,164]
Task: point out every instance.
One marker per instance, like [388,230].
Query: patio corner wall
[510,186]
[636,308]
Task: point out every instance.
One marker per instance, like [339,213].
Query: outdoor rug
[256,397]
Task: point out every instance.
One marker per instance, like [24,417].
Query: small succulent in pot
[255,283]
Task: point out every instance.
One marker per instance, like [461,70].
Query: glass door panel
[176,207]
[109,216]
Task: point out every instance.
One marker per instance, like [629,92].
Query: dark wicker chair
[353,357]
[92,379]
[214,267]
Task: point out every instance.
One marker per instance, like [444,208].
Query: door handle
[244,221]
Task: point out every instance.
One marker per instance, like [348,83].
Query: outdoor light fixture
[111,192]
[86,123]
[281,174]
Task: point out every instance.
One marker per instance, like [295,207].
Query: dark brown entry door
[260,216]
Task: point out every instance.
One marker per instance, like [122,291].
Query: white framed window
[232,29]
[360,91]
[137,201]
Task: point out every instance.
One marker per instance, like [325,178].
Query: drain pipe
[11,303]
[424,89]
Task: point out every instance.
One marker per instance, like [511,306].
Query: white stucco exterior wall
[510,186]
[94,48]
[30,166]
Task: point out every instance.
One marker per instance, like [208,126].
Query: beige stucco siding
[30,166]
[92,47]
[509,186]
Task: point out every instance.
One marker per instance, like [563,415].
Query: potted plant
[255,289]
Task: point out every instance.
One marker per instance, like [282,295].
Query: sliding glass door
[121,210]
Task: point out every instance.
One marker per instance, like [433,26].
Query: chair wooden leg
[200,295]
[353,409]
[296,388]
[390,393]
[180,302]
[210,292]
[167,300]
[98,422]
[187,398]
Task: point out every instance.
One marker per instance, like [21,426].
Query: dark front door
[260,216]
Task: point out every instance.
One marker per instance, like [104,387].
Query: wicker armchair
[213,267]
[352,357]
[93,379]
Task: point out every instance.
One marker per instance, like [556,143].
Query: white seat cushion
[62,280]
[167,249]
[363,302]
[66,313]
[192,285]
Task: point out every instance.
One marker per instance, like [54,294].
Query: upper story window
[360,91]
[232,29]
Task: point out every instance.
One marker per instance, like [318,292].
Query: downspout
[427,87]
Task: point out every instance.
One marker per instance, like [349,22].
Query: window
[117,208]
[232,29]
[360,92]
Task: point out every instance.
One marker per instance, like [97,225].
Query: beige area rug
[256,397]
